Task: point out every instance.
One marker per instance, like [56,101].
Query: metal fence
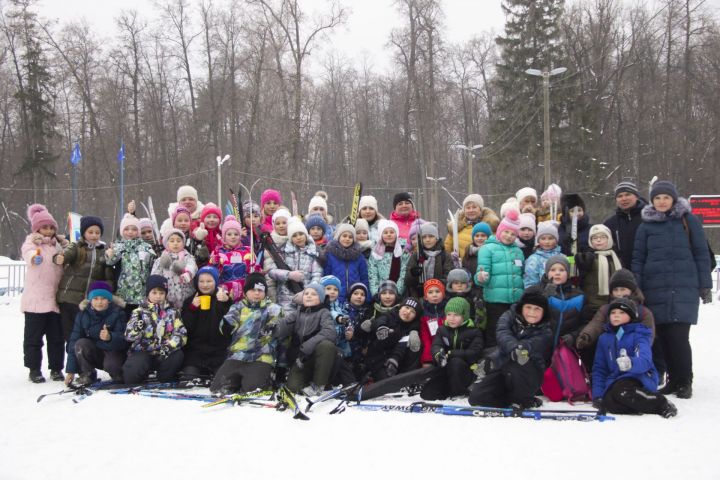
[12,277]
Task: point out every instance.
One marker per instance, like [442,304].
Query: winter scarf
[429,264]
[604,269]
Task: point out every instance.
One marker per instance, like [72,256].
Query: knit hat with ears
[186,191]
[379,250]
[169,233]
[230,223]
[510,222]
[547,228]
[269,195]
[429,228]
[208,209]
[129,220]
[39,217]
[433,283]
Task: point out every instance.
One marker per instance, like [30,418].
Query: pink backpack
[566,378]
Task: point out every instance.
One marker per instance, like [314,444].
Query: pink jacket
[404,223]
[41,281]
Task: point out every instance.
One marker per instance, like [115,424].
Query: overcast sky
[364,36]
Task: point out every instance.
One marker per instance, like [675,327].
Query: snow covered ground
[108,436]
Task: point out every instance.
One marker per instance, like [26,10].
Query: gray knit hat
[458,275]
[626,186]
[561,259]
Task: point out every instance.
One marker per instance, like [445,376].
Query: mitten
[342,319]
[366,326]
[623,361]
[138,326]
[178,266]
[414,342]
[200,232]
[296,276]
[383,332]
[391,367]
[36,238]
[583,341]
[550,288]
[482,276]
[706,295]
[567,339]
[165,261]
[441,358]
[185,278]
[520,355]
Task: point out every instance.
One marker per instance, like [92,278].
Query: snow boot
[56,376]
[36,376]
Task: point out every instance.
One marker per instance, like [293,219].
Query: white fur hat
[526,192]
[186,191]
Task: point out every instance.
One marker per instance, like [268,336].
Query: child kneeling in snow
[624,379]
[157,335]
[312,331]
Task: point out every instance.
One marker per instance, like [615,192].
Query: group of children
[312,304]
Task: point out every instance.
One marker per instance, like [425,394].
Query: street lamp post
[220,161]
[471,156]
[545,74]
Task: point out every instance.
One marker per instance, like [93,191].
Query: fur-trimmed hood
[678,210]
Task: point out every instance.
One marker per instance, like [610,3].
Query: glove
[441,358]
[583,341]
[164,261]
[300,361]
[200,232]
[520,355]
[482,276]
[296,276]
[63,241]
[185,278]
[366,326]
[550,288]
[706,295]
[36,238]
[414,342]
[178,266]
[382,332]
[391,367]
[567,339]
[623,361]
[416,271]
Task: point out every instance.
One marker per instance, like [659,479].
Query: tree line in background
[640,97]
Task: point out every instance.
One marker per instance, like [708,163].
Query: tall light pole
[471,156]
[545,74]
[219,164]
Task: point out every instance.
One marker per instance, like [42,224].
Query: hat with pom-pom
[511,222]
[40,217]
[230,223]
[210,208]
[510,204]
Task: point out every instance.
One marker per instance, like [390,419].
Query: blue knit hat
[316,220]
[359,286]
[89,221]
[156,281]
[664,187]
[100,289]
[210,270]
[330,280]
[481,227]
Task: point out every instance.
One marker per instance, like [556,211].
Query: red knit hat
[208,209]
[433,282]
[39,217]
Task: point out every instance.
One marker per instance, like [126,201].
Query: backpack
[567,377]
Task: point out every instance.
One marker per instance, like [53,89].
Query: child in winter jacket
[526,234]
[252,348]
[547,246]
[597,266]
[459,284]
[313,350]
[395,344]
[156,334]
[500,264]
[344,260]
[343,328]
[568,311]
[524,339]
[233,259]
[270,203]
[301,260]
[455,348]
[273,247]
[433,317]
[357,309]
[177,266]
[97,339]
[430,261]
[182,220]
[317,228]
[207,337]
[385,300]
[388,261]
[251,222]
[147,234]
[135,258]
[84,263]
[362,237]
[624,379]
[480,233]
[38,303]
[208,230]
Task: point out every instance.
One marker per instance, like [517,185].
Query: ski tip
[301,416]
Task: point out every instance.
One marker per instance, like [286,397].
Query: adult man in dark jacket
[624,224]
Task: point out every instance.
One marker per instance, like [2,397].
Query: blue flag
[121,153]
[76,156]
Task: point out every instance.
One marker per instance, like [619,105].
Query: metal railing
[12,278]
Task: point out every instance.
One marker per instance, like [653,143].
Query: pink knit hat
[129,221]
[230,223]
[178,210]
[527,220]
[169,233]
[268,195]
[510,222]
[39,217]
[144,223]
